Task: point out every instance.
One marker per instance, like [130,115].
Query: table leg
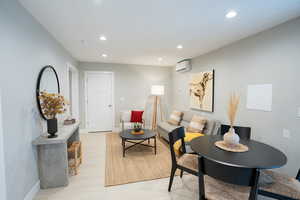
[123,145]
[155,145]
[149,141]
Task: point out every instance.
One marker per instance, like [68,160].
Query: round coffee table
[127,136]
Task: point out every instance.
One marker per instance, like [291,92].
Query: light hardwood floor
[89,184]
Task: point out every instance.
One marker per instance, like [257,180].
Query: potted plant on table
[137,127]
[52,104]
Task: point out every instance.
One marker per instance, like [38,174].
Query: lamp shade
[157,90]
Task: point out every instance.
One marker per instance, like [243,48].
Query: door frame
[86,99]
[73,69]
[2,159]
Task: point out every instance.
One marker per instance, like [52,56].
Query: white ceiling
[141,31]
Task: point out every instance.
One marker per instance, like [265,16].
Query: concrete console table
[53,156]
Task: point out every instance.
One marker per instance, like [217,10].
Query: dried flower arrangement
[234,101]
[52,104]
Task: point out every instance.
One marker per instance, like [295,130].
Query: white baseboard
[34,190]
[116,129]
[84,131]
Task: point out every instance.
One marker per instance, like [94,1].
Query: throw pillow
[175,118]
[197,124]
[136,116]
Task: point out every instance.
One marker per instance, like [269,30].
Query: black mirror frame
[38,87]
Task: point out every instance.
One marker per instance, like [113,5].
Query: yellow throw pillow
[175,118]
[197,124]
[188,137]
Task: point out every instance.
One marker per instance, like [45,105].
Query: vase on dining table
[231,138]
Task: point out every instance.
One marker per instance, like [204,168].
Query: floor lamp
[157,91]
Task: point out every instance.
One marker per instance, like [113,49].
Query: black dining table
[259,155]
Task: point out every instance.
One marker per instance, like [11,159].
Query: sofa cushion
[197,124]
[166,126]
[175,118]
[187,116]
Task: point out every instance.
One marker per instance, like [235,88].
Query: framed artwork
[202,91]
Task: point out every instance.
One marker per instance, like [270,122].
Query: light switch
[286,133]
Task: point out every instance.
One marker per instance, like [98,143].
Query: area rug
[139,164]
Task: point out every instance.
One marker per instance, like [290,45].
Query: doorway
[73,91]
[99,106]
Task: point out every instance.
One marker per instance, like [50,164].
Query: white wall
[2,167]
[25,48]
[132,85]
[268,57]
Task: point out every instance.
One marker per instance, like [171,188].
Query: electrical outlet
[286,133]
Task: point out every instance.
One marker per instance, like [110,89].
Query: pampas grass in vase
[231,137]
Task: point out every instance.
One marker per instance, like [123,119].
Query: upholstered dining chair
[186,162]
[283,188]
[243,132]
[219,181]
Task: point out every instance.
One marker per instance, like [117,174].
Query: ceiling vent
[183,65]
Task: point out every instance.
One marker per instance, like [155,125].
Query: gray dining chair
[186,162]
[243,132]
[283,187]
[218,181]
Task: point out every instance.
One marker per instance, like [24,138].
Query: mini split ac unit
[183,65]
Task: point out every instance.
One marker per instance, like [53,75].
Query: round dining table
[259,155]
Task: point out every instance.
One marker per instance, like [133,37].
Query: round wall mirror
[47,82]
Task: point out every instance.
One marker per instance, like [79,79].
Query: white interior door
[2,169]
[99,101]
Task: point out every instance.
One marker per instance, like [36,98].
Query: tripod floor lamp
[157,91]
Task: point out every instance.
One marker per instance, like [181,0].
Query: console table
[53,156]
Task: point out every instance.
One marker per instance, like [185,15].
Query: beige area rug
[140,163]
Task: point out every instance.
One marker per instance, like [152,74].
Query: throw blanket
[188,137]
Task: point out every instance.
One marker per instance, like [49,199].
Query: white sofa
[211,128]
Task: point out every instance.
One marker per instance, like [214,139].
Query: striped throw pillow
[197,124]
[175,118]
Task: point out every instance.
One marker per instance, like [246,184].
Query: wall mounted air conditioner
[183,65]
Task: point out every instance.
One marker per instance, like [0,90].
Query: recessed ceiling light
[231,14]
[179,46]
[104,55]
[160,59]
[102,38]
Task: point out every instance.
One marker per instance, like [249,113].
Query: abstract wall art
[201,89]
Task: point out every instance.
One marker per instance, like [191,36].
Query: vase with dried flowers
[51,105]
[231,138]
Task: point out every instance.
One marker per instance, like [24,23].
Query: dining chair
[186,162]
[283,188]
[243,132]
[226,182]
